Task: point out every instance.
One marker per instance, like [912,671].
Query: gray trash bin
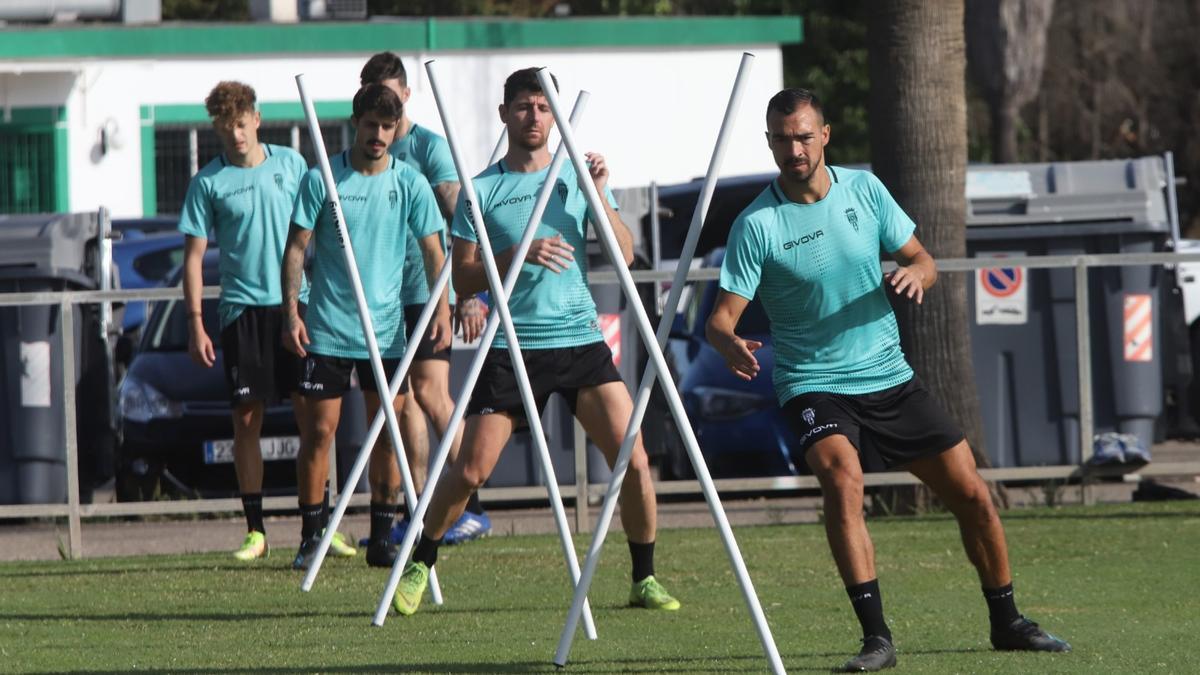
[1023,320]
[49,252]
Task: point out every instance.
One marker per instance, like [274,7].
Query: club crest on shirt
[401,156]
[853,218]
[563,191]
[809,415]
[279,181]
[393,197]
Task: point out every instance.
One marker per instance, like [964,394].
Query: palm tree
[918,125]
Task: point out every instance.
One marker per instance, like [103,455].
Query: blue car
[737,423]
[147,252]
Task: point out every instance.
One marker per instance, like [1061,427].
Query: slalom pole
[364,315]
[608,239]
[500,316]
[501,147]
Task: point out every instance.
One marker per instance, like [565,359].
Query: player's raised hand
[553,253]
[740,359]
[598,168]
[907,281]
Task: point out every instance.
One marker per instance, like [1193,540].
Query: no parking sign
[1001,294]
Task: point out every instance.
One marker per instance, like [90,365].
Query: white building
[113,115]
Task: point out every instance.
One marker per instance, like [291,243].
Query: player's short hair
[525,79]
[378,99]
[383,66]
[230,100]
[787,101]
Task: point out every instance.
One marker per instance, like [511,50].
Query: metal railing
[584,491]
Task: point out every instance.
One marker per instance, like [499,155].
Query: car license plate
[283,447]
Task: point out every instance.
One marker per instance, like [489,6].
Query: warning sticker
[1139,327]
[610,326]
[1001,294]
[35,374]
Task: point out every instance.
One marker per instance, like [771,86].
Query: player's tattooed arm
[295,335]
[447,197]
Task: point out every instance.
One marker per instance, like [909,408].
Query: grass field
[1120,583]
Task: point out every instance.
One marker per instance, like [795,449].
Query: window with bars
[180,150]
[27,171]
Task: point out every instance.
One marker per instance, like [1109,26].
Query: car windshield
[168,330]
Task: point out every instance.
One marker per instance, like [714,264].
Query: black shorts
[565,371]
[257,366]
[425,351]
[329,376]
[894,426]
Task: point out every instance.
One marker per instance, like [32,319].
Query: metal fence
[584,491]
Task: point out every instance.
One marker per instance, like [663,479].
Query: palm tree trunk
[918,125]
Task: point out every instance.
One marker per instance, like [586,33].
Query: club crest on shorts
[809,415]
[393,197]
[853,218]
[309,364]
[279,181]
[233,373]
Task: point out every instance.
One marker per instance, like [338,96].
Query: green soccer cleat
[411,588]
[650,594]
[253,548]
[338,547]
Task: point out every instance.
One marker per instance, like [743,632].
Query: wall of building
[654,111]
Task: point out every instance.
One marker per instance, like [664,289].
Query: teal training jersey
[550,310]
[816,268]
[429,154]
[379,210]
[247,210]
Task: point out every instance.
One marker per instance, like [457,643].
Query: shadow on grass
[69,570]
[795,662]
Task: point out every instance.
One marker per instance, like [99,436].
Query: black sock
[643,560]
[473,505]
[868,606]
[426,551]
[325,507]
[310,520]
[382,517]
[1002,606]
[252,507]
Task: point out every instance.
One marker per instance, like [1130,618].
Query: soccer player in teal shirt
[243,198]
[809,247]
[556,324]
[429,378]
[383,200]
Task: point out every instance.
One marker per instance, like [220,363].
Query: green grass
[1118,582]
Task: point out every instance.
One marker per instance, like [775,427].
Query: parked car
[738,424]
[146,253]
[176,427]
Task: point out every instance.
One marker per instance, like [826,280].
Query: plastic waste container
[50,252]
[1023,320]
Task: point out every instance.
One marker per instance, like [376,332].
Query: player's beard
[804,176]
[532,146]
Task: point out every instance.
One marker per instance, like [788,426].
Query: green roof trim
[114,41]
[186,113]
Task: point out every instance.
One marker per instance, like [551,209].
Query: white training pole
[606,236]
[647,383]
[381,382]
[501,147]
[501,315]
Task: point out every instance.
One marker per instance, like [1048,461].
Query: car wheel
[138,481]
[676,465]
